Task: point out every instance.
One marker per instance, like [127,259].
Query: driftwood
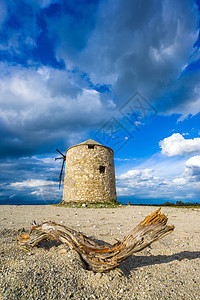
[102,258]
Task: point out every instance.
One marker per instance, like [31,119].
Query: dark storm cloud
[128,45]
[138,45]
[183,96]
[19,27]
[26,26]
[42,108]
[25,180]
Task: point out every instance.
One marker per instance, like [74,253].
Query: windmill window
[102,169]
[90,146]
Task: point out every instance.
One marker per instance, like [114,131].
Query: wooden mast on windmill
[63,157]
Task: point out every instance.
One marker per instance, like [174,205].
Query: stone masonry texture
[89,174]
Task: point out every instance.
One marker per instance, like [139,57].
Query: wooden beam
[102,258]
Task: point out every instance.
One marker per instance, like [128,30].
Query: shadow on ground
[135,262]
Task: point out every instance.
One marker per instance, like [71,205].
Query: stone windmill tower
[89,173]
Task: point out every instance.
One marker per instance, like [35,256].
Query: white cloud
[137,174]
[179,181]
[45,190]
[176,144]
[168,179]
[193,162]
[32,183]
[192,168]
[135,180]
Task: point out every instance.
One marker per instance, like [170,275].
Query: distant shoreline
[99,205]
[121,199]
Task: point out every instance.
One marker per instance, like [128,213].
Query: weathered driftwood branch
[102,258]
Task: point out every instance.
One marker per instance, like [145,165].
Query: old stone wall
[89,174]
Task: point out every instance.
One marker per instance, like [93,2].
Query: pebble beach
[169,269]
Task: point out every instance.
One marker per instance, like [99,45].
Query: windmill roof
[90,142]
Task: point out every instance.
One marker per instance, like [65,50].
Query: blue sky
[126,73]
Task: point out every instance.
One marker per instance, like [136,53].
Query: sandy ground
[169,269]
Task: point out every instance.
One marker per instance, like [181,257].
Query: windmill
[63,157]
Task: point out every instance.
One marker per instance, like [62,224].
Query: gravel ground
[167,270]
